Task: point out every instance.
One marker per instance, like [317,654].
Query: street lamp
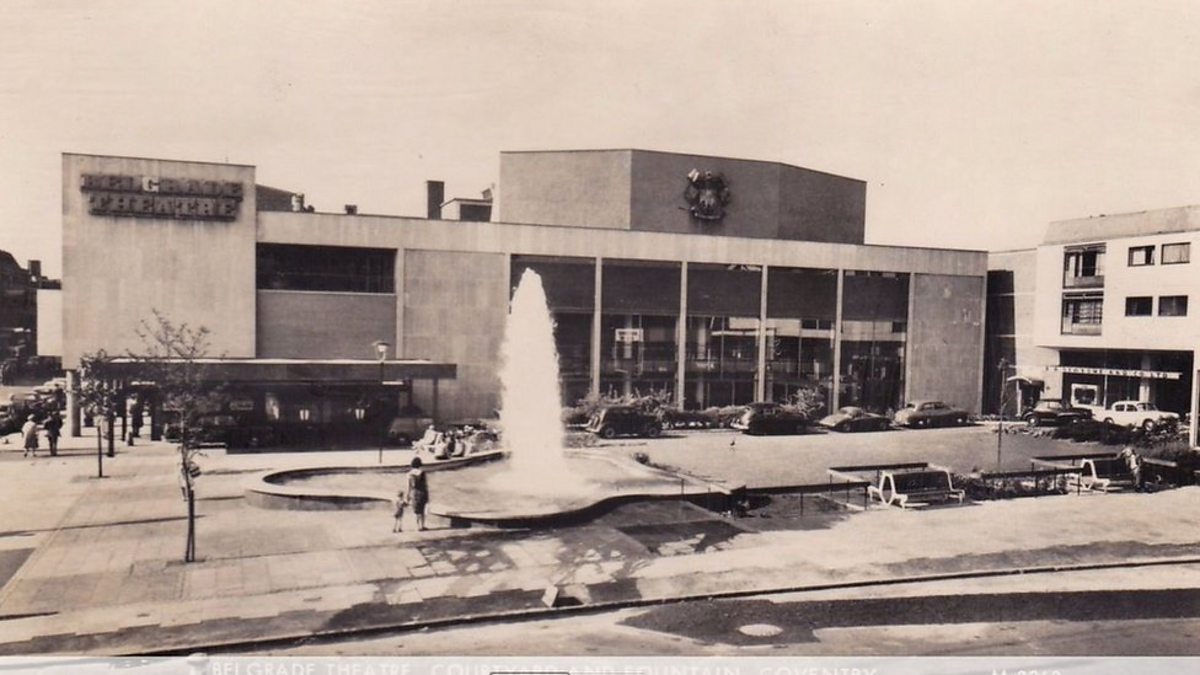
[381,350]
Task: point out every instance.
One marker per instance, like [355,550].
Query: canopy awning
[350,371]
[1024,379]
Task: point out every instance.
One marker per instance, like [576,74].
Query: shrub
[1094,431]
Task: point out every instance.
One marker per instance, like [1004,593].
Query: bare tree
[100,394]
[173,358]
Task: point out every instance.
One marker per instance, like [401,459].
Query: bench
[1103,474]
[910,488]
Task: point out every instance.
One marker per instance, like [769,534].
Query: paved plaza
[91,565]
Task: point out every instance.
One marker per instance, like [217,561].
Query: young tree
[173,358]
[100,394]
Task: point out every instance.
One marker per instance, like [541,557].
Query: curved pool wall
[286,490]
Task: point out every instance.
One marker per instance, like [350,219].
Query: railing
[1094,281]
[1071,328]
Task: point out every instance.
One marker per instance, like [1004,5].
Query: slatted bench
[916,487]
[1104,474]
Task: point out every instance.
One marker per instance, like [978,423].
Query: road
[1143,612]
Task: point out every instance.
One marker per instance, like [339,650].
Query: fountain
[539,481]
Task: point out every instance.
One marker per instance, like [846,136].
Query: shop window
[1174,254]
[294,267]
[1082,314]
[1083,267]
[1140,256]
[1172,305]
[1139,306]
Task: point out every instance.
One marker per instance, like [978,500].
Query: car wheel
[919,423]
[1148,425]
[843,427]
[1109,420]
[653,430]
[960,421]
[608,433]
[1031,420]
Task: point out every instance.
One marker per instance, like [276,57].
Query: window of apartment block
[1173,254]
[1139,306]
[1141,255]
[1172,305]
[1083,266]
[1082,313]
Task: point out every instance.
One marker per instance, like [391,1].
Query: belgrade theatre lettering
[153,197]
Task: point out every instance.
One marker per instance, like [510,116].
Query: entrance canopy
[348,371]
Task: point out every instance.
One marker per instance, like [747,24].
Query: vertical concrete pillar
[1145,390]
[1194,406]
[908,333]
[597,299]
[836,394]
[398,281]
[760,384]
[74,424]
[681,338]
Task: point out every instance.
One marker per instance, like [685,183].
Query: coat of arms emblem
[707,194]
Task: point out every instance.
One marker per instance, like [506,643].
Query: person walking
[53,427]
[29,432]
[418,492]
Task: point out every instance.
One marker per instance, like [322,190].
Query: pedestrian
[29,434]
[418,492]
[53,427]
[136,419]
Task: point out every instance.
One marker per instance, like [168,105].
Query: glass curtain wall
[639,318]
[570,285]
[874,338]
[801,310]
[722,334]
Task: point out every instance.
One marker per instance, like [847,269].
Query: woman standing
[418,492]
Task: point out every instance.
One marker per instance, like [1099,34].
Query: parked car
[623,420]
[930,414]
[405,429]
[1050,412]
[771,418]
[853,418]
[1139,414]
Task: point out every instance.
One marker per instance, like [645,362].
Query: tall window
[1140,256]
[1173,254]
[1082,314]
[1172,305]
[1139,306]
[1083,267]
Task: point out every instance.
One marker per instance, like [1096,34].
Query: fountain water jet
[530,398]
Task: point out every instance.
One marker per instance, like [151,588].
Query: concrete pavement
[94,564]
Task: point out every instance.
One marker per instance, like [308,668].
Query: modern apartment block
[1103,310]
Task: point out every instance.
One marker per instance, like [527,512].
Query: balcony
[1069,328]
[1094,281]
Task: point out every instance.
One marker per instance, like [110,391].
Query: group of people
[52,425]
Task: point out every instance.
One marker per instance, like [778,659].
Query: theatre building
[1098,313]
[719,281]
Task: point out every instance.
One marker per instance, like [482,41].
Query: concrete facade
[644,191]
[945,340]
[116,269]
[315,325]
[446,299]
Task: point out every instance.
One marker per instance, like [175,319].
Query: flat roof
[305,370]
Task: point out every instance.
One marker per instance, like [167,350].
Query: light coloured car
[1142,414]
[920,414]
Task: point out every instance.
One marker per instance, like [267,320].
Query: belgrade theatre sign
[152,197]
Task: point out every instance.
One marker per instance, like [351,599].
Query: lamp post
[381,350]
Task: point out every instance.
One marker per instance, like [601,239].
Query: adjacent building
[1099,312]
[718,281]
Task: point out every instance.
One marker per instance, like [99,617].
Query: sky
[973,123]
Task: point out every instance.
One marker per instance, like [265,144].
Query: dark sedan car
[930,414]
[1055,413]
[770,418]
[621,420]
[852,418]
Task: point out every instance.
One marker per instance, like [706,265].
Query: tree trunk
[112,422]
[99,454]
[189,554]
